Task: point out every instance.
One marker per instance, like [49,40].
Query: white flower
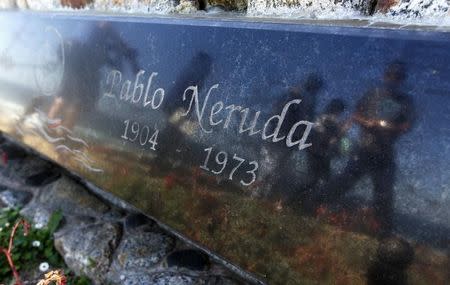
[44,266]
[1,229]
[38,226]
[36,243]
[7,225]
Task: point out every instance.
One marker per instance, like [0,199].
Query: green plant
[8,251]
[27,252]
[77,280]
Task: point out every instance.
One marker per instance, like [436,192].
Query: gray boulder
[89,250]
[138,254]
[65,195]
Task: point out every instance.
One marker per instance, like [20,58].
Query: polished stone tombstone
[303,153]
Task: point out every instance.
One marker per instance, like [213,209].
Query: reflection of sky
[255,67]
[24,44]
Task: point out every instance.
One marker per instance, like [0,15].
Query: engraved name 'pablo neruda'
[215,114]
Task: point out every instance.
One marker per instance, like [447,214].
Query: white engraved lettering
[141,131]
[160,92]
[125,90]
[221,160]
[232,108]
[246,123]
[252,126]
[301,142]
[137,86]
[149,83]
[280,119]
[195,99]
[115,74]
[215,109]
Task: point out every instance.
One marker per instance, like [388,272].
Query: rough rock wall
[145,6]
[412,8]
[309,8]
[435,12]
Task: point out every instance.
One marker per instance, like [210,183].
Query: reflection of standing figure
[193,74]
[325,138]
[389,267]
[383,114]
[81,81]
[304,111]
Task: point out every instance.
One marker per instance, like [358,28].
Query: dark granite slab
[304,154]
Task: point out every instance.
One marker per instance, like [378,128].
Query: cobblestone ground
[107,243]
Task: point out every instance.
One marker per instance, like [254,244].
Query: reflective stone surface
[304,154]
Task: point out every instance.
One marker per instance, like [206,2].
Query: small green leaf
[28,256]
[48,252]
[91,262]
[54,221]
[53,259]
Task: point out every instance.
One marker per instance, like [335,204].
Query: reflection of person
[194,73]
[325,137]
[383,114]
[83,61]
[306,110]
[308,93]
[389,267]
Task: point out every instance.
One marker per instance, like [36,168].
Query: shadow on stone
[188,258]
[15,199]
[134,221]
[42,178]
[12,152]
